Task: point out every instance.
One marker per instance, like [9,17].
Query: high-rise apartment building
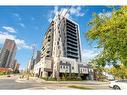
[0,50]
[62,39]
[61,50]
[15,66]
[38,56]
[8,53]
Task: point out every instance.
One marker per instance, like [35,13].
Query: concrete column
[54,74]
[45,74]
[57,75]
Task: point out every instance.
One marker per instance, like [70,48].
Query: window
[60,61]
[61,66]
[72,68]
[58,47]
[66,67]
[59,17]
[81,70]
[122,81]
[57,43]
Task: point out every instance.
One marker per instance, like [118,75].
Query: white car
[118,84]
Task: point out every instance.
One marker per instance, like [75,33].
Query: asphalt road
[10,83]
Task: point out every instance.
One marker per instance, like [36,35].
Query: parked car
[118,84]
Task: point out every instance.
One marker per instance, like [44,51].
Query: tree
[119,72]
[110,33]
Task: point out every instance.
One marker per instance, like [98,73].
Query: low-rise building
[6,70]
[49,67]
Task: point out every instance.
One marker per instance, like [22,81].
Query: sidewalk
[6,77]
[72,82]
[24,80]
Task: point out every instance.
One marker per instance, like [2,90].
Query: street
[14,83]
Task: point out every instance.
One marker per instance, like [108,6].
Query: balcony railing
[71,31]
[71,40]
[70,22]
[71,47]
[74,30]
[72,34]
[72,44]
[72,51]
[70,26]
[69,36]
[73,55]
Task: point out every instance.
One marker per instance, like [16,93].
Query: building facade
[38,57]
[61,50]
[15,66]
[8,53]
[0,50]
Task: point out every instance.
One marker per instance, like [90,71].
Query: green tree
[110,33]
[119,71]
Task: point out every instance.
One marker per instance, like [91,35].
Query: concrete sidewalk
[25,80]
[99,83]
[6,77]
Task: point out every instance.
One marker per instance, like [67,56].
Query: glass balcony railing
[69,36]
[70,22]
[72,34]
[71,40]
[71,31]
[72,47]
[72,51]
[74,30]
[72,55]
[70,26]
[72,44]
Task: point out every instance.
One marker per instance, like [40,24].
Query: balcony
[70,22]
[71,28]
[45,53]
[72,34]
[72,56]
[71,31]
[69,36]
[46,41]
[47,49]
[72,51]
[72,41]
[72,44]
[71,47]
